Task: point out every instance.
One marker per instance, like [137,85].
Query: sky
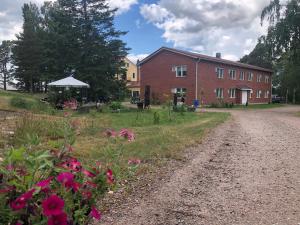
[205,26]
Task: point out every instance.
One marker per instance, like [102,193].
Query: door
[244,97]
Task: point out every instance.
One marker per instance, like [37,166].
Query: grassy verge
[258,106]
[154,144]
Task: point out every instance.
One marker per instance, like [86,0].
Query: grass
[154,144]
[258,106]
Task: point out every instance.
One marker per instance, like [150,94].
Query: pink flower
[88,173]
[75,186]
[60,219]
[53,206]
[109,176]
[110,133]
[90,184]
[18,223]
[95,213]
[72,164]
[127,134]
[66,178]
[44,183]
[21,201]
[87,194]
[134,161]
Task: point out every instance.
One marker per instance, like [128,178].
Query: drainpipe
[196,91]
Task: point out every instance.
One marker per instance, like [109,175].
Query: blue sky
[205,26]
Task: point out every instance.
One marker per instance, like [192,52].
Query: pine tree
[27,52]
[5,59]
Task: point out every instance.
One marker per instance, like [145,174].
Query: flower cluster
[71,104]
[125,133]
[64,192]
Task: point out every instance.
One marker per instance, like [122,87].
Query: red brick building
[208,79]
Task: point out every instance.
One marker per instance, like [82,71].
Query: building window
[220,93]
[267,79]
[267,94]
[232,74]
[259,78]
[127,65]
[251,93]
[133,76]
[181,92]
[258,94]
[242,75]
[220,73]
[181,71]
[232,92]
[250,76]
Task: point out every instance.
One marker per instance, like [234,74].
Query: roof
[244,88]
[134,84]
[69,82]
[205,58]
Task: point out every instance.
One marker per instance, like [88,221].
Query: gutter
[196,78]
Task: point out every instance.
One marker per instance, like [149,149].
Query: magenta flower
[127,134]
[21,201]
[109,176]
[72,164]
[95,213]
[110,133]
[66,178]
[60,219]
[44,183]
[53,206]
[88,173]
[86,194]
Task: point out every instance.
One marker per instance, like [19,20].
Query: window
[258,94]
[181,71]
[127,64]
[251,93]
[250,76]
[181,92]
[133,76]
[259,78]
[220,73]
[242,75]
[267,79]
[232,74]
[220,92]
[232,92]
[267,94]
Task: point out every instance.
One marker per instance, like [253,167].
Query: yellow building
[133,81]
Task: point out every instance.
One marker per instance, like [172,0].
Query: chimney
[218,55]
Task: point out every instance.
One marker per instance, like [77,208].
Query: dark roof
[205,58]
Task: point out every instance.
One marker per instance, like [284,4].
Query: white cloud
[134,58]
[228,26]
[11,14]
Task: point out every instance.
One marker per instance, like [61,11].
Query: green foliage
[5,59]
[156,118]
[115,105]
[21,103]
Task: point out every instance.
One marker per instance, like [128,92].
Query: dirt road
[247,171]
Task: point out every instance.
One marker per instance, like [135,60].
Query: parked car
[277,99]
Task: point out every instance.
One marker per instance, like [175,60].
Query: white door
[244,97]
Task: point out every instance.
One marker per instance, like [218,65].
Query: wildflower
[134,161]
[90,184]
[86,194]
[110,133]
[75,186]
[109,176]
[53,206]
[88,173]
[95,213]
[21,201]
[60,219]
[66,178]
[127,134]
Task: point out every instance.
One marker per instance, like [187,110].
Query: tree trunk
[287,96]
[294,96]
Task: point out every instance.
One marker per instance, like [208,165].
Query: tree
[27,52]
[5,59]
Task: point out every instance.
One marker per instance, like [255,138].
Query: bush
[116,105]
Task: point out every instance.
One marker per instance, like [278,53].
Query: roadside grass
[258,106]
[154,143]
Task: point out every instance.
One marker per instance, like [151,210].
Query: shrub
[21,103]
[115,106]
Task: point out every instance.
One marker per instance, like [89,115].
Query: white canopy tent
[69,82]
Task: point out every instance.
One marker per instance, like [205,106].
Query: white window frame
[220,73]
[251,94]
[181,91]
[267,94]
[250,76]
[179,70]
[220,93]
[232,74]
[267,79]
[259,78]
[242,75]
[258,93]
[232,92]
